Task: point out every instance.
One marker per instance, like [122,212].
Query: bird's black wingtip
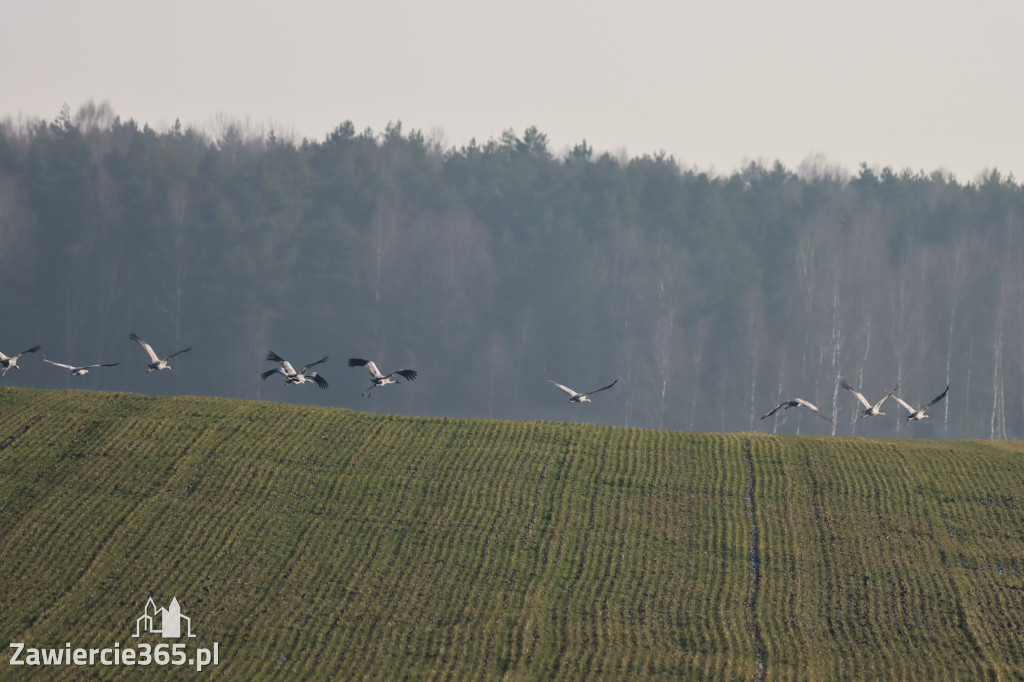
[357,362]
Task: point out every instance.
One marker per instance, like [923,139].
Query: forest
[492,267]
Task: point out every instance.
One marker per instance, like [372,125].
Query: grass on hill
[325,543]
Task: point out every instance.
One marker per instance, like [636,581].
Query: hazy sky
[921,85]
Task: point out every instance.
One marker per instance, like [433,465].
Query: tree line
[494,266]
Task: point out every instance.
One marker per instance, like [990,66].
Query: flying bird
[291,376]
[157,363]
[79,370]
[917,415]
[575,397]
[798,402]
[7,363]
[870,410]
[377,378]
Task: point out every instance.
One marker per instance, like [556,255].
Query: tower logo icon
[164,622]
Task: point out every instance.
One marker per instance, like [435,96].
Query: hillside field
[322,543]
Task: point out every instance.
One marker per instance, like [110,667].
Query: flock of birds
[378,379]
[915,414]
[305,376]
[285,368]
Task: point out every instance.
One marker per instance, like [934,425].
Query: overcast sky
[928,86]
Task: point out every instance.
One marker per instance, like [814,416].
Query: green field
[325,543]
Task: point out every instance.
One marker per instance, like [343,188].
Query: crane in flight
[917,415]
[79,370]
[869,409]
[156,363]
[575,397]
[797,402]
[290,375]
[7,363]
[377,378]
